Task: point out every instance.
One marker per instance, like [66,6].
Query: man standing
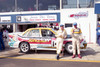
[2,46]
[61,35]
[98,34]
[76,35]
[5,37]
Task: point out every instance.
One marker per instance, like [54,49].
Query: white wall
[86,23]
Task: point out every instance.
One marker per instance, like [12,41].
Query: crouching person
[61,35]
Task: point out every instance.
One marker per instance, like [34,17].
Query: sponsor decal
[35,40]
[11,40]
[79,15]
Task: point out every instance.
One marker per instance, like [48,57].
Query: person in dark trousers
[98,34]
[5,37]
[2,46]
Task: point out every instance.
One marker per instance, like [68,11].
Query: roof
[39,28]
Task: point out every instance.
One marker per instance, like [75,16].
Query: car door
[46,38]
[34,38]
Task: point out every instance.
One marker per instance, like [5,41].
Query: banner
[37,18]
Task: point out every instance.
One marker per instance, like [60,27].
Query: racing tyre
[24,47]
[69,48]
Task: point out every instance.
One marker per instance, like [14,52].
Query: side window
[25,34]
[47,33]
[34,33]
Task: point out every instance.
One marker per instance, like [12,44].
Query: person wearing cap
[98,23]
[98,34]
[76,36]
[61,35]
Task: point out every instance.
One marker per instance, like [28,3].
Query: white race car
[40,39]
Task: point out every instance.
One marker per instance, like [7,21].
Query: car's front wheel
[69,48]
[24,47]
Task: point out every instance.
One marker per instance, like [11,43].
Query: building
[33,13]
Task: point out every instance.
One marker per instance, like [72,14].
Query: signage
[97,8]
[79,15]
[37,18]
[5,19]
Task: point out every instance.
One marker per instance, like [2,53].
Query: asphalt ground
[6,62]
[92,54]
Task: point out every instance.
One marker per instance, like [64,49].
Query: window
[47,33]
[7,5]
[25,34]
[35,5]
[22,5]
[52,7]
[68,25]
[86,3]
[48,4]
[78,3]
[34,33]
[69,3]
[26,5]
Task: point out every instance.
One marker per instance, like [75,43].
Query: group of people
[76,37]
[3,38]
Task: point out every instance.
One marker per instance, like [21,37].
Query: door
[34,38]
[46,38]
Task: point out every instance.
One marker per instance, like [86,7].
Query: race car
[40,39]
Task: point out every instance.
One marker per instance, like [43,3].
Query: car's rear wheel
[69,48]
[24,47]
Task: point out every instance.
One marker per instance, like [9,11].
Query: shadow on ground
[11,52]
[89,51]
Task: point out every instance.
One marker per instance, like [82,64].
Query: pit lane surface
[7,62]
[92,54]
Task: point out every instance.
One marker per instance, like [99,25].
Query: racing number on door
[53,43]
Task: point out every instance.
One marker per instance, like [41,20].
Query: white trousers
[59,46]
[76,45]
